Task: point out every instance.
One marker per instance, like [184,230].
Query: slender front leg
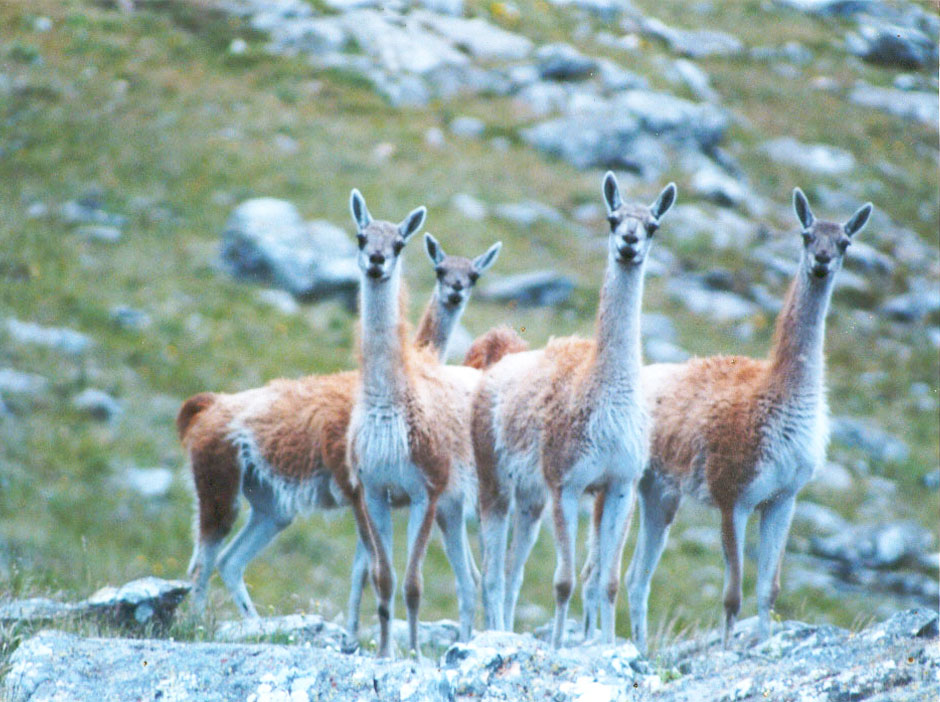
[525,532]
[733,522]
[200,570]
[494,528]
[774,527]
[590,573]
[565,515]
[379,515]
[450,518]
[615,521]
[420,521]
[658,505]
[357,582]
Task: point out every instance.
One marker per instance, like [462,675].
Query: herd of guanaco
[514,431]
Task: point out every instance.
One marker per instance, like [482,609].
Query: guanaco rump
[408,441]
[283,447]
[551,424]
[743,434]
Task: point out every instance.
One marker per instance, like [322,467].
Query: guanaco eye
[613,220]
[398,246]
[474,276]
[808,238]
[652,227]
[361,238]
[844,244]
[440,273]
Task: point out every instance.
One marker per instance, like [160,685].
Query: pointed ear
[801,206]
[611,192]
[858,221]
[412,223]
[360,213]
[485,260]
[435,252]
[665,200]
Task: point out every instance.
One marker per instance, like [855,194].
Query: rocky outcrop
[898,659]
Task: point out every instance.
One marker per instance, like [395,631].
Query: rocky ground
[897,660]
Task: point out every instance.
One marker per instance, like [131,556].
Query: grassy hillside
[150,115]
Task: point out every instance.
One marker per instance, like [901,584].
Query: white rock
[469,206]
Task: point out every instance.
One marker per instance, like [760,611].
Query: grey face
[381,243]
[456,275]
[825,243]
[632,226]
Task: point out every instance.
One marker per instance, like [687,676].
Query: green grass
[150,112]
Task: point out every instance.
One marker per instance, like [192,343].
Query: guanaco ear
[858,221]
[665,200]
[435,252]
[485,260]
[412,223]
[612,192]
[360,213]
[803,212]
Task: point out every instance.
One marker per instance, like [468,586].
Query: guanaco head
[380,243]
[456,275]
[824,243]
[632,226]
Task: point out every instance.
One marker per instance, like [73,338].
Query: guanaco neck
[437,325]
[617,355]
[382,362]
[797,360]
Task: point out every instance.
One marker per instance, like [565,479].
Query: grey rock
[349,5]
[563,62]
[543,97]
[864,257]
[469,206]
[816,158]
[701,537]
[434,638]
[129,317]
[98,404]
[822,520]
[615,78]
[697,43]
[35,610]
[874,546]
[658,326]
[527,213]
[479,38]
[310,629]
[913,105]
[281,300]
[660,351]
[147,482]
[308,35]
[792,51]
[99,232]
[714,184]
[61,339]
[833,8]
[885,43]
[16,382]
[470,127]
[444,7]
[879,444]
[605,9]
[717,305]
[534,289]
[88,210]
[266,241]
[931,480]
[460,341]
[677,120]
[834,477]
[695,78]
[142,601]
[912,306]
[720,227]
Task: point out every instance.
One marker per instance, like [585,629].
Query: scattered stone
[695,78]
[469,206]
[908,104]
[309,629]
[527,213]
[98,404]
[720,227]
[615,78]
[865,257]
[543,97]
[817,158]
[717,305]
[281,300]
[99,232]
[885,43]
[58,338]
[588,213]
[36,610]
[874,546]
[821,520]
[792,51]
[88,210]
[469,127]
[832,8]
[479,38]
[142,601]
[879,444]
[658,326]
[834,477]
[266,241]
[148,482]
[605,9]
[434,138]
[444,7]
[711,183]
[129,318]
[931,480]
[434,638]
[563,62]
[16,382]
[699,43]
[660,351]
[535,289]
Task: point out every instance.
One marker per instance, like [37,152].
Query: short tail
[191,409]
[492,346]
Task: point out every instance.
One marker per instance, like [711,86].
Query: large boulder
[890,44]
[822,159]
[61,339]
[915,105]
[265,240]
[696,43]
[538,288]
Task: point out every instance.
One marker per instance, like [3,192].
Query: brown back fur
[492,346]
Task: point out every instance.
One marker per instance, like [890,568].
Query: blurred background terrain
[131,131]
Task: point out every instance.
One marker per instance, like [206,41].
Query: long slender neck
[382,362]
[437,325]
[618,352]
[796,356]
